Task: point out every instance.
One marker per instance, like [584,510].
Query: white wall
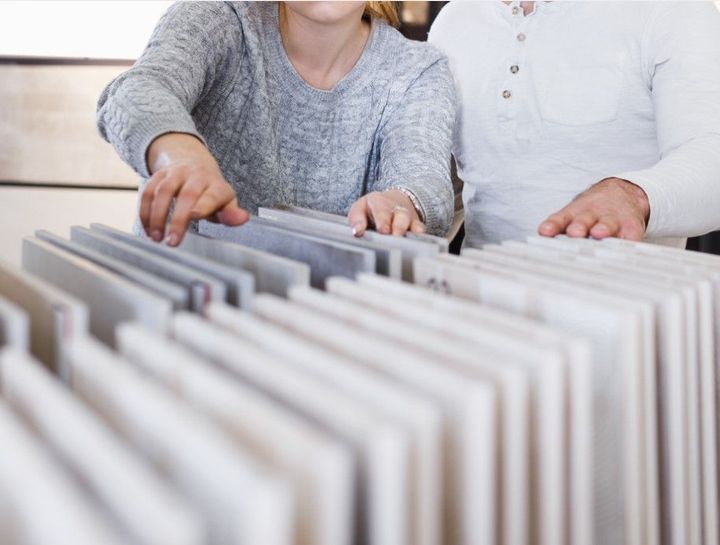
[87,29]
[27,209]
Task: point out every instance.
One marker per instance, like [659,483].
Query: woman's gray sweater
[219,71]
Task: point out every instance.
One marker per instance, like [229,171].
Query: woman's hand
[184,169]
[391,212]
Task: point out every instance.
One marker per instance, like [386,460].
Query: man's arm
[680,195]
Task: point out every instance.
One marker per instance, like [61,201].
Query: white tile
[239,284]
[382,447]
[324,257]
[47,507]
[55,316]
[460,318]
[614,328]
[129,492]
[471,471]
[238,498]
[202,288]
[110,298]
[418,416]
[695,284]
[321,468]
[519,374]
[273,273]
[169,290]
[14,325]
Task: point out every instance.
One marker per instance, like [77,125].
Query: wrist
[172,148]
[639,197]
[410,198]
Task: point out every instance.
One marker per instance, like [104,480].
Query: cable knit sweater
[219,71]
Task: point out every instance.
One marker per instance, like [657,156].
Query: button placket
[511,86]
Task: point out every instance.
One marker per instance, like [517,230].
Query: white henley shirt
[574,92]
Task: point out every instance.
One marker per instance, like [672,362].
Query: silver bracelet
[413,199]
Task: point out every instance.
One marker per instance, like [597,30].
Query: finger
[162,200]
[606,226]
[231,214]
[357,217]
[555,223]
[417,227]
[632,229]
[381,215]
[581,224]
[189,193]
[215,197]
[146,200]
[401,221]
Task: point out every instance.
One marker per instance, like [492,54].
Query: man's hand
[610,208]
[391,212]
[185,170]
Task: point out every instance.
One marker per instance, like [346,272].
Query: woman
[317,104]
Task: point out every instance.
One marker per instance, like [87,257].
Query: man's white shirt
[575,92]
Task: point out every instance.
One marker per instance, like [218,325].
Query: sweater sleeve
[681,50]
[415,145]
[190,52]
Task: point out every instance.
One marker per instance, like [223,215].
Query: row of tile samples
[292,384]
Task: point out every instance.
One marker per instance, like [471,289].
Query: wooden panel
[47,126]
[24,210]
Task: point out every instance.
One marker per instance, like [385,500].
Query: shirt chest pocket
[577,96]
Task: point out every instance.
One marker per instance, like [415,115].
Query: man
[586,118]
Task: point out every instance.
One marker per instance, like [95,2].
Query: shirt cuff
[147,131]
[437,209]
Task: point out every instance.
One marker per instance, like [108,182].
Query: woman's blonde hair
[387,11]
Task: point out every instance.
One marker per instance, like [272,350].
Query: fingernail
[172,239]
[546,226]
[356,228]
[157,235]
[600,227]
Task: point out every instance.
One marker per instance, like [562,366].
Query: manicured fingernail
[157,235]
[357,229]
[172,240]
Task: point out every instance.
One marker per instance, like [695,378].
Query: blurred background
[55,59]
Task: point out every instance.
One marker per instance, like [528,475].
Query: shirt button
[514,68]
[506,94]
[521,37]
[515,10]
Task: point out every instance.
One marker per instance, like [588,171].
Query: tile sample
[320,468]
[409,248]
[471,472]
[145,508]
[14,325]
[417,415]
[615,333]
[201,288]
[382,447]
[239,284]
[324,257]
[110,298]
[33,485]
[55,316]
[457,317]
[239,499]
[175,293]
